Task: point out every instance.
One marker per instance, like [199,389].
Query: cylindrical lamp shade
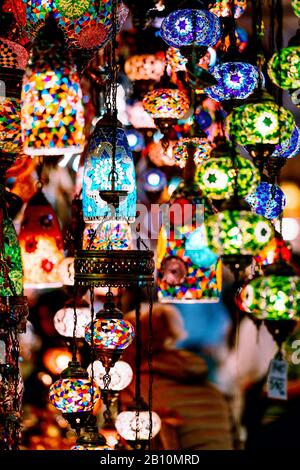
[11,272]
[107,236]
[260,123]
[127,422]
[235,232]
[52,115]
[41,244]
[187,270]
[145,67]
[217,177]
[223,8]
[166,103]
[236,80]
[97,176]
[284,68]
[189,27]
[121,375]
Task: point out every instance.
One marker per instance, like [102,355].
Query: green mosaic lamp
[218,176]
[284,68]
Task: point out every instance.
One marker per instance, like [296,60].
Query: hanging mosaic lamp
[121,375]
[235,81]
[166,103]
[145,67]
[188,27]
[236,234]
[109,335]
[268,200]
[260,121]
[107,236]
[202,150]
[52,115]
[97,177]
[277,249]
[218,176]
[187,270]
[136,430]
[13,60]
[223,8]
[75,395]
[289,148]
[64,318]
[175,60]
[41,244]
[284,68]
[296,7]
[273,296]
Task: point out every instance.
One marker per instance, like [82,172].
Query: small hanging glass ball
[284,68]
[268,200]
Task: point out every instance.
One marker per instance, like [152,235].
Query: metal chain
[92,300]
[150,364]
[74,349]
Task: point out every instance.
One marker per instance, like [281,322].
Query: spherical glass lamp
[217,177]
[296,7]
[223,8]
[133,428]
[235,232]
[52,115]
[121,375]
[236,80]
[145,67]
[268,200]
[64,319]
[271,297]
[289,148]
[202,148]
[166,103]
[74,395]
[109,335]
[284,68]
[188,27]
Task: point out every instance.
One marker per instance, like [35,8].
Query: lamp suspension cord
[150,365]
[114,90]
[138,361]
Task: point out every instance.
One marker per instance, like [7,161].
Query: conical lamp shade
[41,244]
[52,115]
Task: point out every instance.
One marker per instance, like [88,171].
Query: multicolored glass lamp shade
[64,319]
[166,103]
[284,68]
[82,24]
[271,297]
[268,200]
[41,244]
[276,250]
[260,123]
[175,60]
[126,425]
[236,80]
[98,175]
[109,334]
[11,270]
[296,7]
[52,115]
[12,55]
[237,232]
[217,177]
[10,125]
[202,148]
[107,236]
[290,148]
[223,8]
[187,270]
[145,67]
[121,375]
[188,27]
[75,395]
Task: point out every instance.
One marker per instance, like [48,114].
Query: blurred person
[194,414]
